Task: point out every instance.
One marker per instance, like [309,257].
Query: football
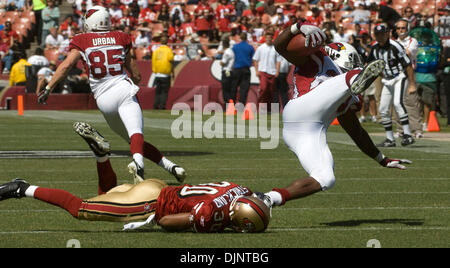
[297,46]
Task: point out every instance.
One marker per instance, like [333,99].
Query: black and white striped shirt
[394,55]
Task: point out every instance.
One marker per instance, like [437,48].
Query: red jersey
[316,69]
[209,204]
[103,55]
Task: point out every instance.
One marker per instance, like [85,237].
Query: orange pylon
[231,110]
[433,124]
[335,122]
[248,113]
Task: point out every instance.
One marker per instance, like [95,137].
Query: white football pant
[121,110]
[305,123]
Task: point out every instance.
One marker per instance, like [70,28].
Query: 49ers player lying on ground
[210,207]
[324,89]
[106,56]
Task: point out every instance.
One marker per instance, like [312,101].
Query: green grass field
[399,208]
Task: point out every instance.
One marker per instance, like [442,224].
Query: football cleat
[98,144]
[366,77]
[266,199]
[13,189]
[387,143]
[136,171]
[179,173]
[407,140]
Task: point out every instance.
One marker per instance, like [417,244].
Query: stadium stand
[24,23]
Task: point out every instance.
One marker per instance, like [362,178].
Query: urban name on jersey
[104,41]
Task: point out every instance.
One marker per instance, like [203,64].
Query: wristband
[295,29]
[47,88]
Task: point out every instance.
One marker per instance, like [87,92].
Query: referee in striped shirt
[398,78]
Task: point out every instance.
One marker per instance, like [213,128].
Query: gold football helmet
[249,214]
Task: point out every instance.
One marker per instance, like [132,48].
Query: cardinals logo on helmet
[337,46]
[90,12]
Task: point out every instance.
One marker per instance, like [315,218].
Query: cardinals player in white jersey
[107,55]
[324,89]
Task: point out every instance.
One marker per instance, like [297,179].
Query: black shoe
[387,143]
[407,140]
[366,77]
[14,189]
[98,144]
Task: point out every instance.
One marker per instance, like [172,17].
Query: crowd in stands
[195,29]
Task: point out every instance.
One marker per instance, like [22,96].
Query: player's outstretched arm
[176,222]
[61,72]
[359,135]
[130,64]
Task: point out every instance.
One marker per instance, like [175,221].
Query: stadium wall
[191,78]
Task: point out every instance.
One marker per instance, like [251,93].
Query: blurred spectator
[252,12]
[267,67]
[50,18]
[359,15]
[64,46]
[443,24]
[68,25]
[17,76]
[194,50]
[164,15]
[280,19]
[115,12]
[340,35]
[44,76]
[147,15]
[204,18]
[270,8]
[38,59]
[227,63]
[143,39]
[7,58]
[9,35]
[446,74]
[53,40]
[412,100]
[162,65]
[243,53]
[281,83]
[38,7]
[224,12]
[316,18]
[127,19]
[408,14]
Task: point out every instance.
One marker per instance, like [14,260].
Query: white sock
[102,159]
[406,129]
[30,191]
[166,164]
[139,159]
[390,135]
[277,199]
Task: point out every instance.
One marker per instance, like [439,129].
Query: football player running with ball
[324,89]
[107,55]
